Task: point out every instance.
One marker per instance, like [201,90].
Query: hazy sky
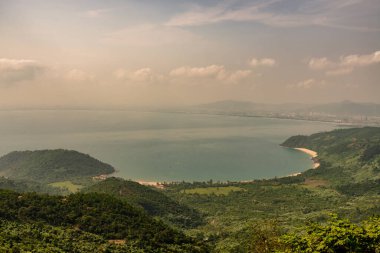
[162,52]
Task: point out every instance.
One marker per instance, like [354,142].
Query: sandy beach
[308,151]
[312,154]
[151,183]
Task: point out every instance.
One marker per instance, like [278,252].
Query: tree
[338,235]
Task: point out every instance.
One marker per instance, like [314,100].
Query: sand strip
[312,154]
[151,183]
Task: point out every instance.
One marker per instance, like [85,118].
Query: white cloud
[360,60]
[208,71]
[139,75]
[320,63]
[14,70]
[95,13]
[218,72]
[78,75]
[265,62]
[346,64]
[144,74]
[307,84]
[239,75]
[339,71]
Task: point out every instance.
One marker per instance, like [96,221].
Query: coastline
[151,183]
[313,155]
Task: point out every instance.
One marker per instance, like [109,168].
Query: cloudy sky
[175,52]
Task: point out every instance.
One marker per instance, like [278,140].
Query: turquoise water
[165,146]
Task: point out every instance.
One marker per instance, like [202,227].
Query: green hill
[152,201]
[99,214]
[49,166]
[347,156]
[347,183]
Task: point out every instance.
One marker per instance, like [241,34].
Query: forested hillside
[48,166]
[98,214]
[151,200]
[348,156]
[346,183]
[39,237]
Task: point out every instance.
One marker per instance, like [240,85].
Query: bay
[156,146]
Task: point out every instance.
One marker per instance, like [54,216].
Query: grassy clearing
[316,182]
[67,185]
[224,190]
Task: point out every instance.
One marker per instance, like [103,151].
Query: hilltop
[48,166]
[348,156]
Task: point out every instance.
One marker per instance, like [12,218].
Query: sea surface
[154,146]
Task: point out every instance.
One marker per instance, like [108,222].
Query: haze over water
[165,146]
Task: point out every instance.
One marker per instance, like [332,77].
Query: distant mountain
[152,201]
[48,166]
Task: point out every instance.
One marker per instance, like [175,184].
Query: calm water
[165,146]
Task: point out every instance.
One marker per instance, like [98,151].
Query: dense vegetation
[49,166]
[99,214]
[30,186]
[348,156]
[152,201]
[338,235]
[38,237]
[346,183]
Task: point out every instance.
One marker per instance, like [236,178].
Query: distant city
[343,113]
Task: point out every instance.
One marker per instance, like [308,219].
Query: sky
[181,52]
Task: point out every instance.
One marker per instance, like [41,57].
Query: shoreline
[158,185]
[313,156]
